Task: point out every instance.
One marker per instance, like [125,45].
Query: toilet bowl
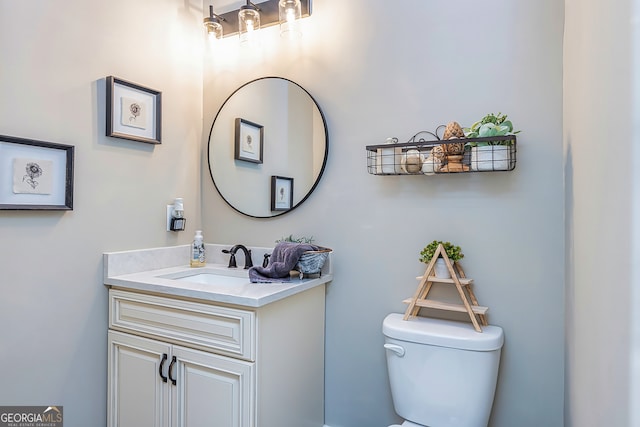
[442,373]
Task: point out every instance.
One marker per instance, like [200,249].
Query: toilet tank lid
[443,333]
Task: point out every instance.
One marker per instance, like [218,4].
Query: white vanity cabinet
[184,362]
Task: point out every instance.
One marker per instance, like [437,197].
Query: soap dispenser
[197,251]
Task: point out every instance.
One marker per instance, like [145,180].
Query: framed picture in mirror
[249,141]
[281,193]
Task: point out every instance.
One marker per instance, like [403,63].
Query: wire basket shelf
[488,154]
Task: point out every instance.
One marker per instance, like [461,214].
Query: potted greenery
[310,262]
[293,239]
[491,155]
[454,253]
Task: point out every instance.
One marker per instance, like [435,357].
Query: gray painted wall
[402,71]
[394,71]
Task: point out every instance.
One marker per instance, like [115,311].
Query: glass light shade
[248,23]
[212,25]
[290,12]
[214,28]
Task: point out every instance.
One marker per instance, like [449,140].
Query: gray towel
[284,258]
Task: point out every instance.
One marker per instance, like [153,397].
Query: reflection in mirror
[277,121]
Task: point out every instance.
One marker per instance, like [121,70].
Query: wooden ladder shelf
[477,313]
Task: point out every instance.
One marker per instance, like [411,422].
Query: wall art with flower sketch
[133,111]
[32,176]
[249,141]
[35,174]
[281,193]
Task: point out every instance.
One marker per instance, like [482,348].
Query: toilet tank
[442,373]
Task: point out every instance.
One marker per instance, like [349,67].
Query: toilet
[442,373]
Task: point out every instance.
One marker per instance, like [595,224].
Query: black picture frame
[35,175]
[134,112]
[245,147]
[281,193]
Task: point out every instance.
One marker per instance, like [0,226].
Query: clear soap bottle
[197,251]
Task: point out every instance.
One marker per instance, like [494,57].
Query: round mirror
[268,147]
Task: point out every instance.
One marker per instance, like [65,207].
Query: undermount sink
[213,279]
[220,276]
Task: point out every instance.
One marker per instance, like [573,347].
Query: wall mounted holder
[175,216]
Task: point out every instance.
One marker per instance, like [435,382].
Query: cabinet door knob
[164,357]
[173,362]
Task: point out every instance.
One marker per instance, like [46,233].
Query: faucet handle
[232,258]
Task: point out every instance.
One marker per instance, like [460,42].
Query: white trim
[634,333]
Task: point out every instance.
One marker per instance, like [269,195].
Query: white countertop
[151,270]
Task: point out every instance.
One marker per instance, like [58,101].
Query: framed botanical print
[35,175]
[133,111]
[249,141]
[281,193]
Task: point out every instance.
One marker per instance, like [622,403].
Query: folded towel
[284,258]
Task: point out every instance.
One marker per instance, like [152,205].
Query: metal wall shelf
[460,155]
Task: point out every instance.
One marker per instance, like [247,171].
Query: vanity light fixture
[213,24]
[248,21]
[260,15]
[290,13]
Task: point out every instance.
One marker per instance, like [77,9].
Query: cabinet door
[212,390]
[137,394]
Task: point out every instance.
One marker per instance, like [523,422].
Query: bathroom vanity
[205,347]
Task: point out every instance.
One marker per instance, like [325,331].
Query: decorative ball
[431,165]
[438,152]
[412,161]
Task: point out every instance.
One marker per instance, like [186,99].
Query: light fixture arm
[214,16]
[250,5]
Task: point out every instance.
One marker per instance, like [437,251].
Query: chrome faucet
[232,260]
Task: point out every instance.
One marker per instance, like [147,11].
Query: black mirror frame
[324,160]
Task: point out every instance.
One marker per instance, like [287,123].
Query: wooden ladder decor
[463,286]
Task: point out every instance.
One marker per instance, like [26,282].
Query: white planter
[441,269]
[492,158]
